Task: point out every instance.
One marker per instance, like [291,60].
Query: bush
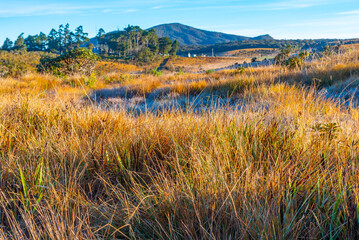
[240,70]
[284,58]
[4,71]
[91,80]
[76,61]
[156,72]
[209,72]
[16,63]
[284,55]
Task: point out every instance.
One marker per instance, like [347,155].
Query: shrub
[16,63]
[4,71]
[284,58]
[328,51]
[298,61]
[179,72]
[91,80]
[209,72]
[76,61]
[240,70]
[156,72]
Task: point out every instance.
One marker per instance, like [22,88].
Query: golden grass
[196,64]
[285,166]
[103,67]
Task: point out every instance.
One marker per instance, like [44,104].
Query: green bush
[76,61]
[91,80]
[240,70]
[156,72]
[284,58]
[209,72]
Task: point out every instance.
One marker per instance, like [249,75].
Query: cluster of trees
[135,43]
[57,41]
[131,43]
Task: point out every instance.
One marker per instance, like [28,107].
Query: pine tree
[20,43]
[8,44]
[165,45]
[53,41]
[174,48]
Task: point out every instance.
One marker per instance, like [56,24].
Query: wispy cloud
[157,7]
[40,7]
[246,6]
[295,4]
[337,21]
[354,12]
[130,10]
[48,9]
[45,9]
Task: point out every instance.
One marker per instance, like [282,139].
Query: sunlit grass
[283,166]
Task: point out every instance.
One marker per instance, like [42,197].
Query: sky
[282,19]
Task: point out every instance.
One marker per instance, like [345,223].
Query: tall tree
[32,43]
[8,44]
[101,33]
[174,48]
[53,41]
[165,45]
[80,37]
[103,48]
[43,40]
[20,43]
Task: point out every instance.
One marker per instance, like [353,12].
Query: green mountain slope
[187,35]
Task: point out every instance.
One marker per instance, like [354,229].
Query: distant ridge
[187,35]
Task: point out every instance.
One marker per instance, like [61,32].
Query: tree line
[131,43]
[57,41]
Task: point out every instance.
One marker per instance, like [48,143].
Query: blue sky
[283,19]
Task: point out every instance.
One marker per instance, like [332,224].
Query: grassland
[284,165]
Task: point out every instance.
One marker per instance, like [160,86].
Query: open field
[256,153]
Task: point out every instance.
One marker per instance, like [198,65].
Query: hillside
[187,35]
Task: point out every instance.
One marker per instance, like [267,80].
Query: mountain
[263,37]
[187,35]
